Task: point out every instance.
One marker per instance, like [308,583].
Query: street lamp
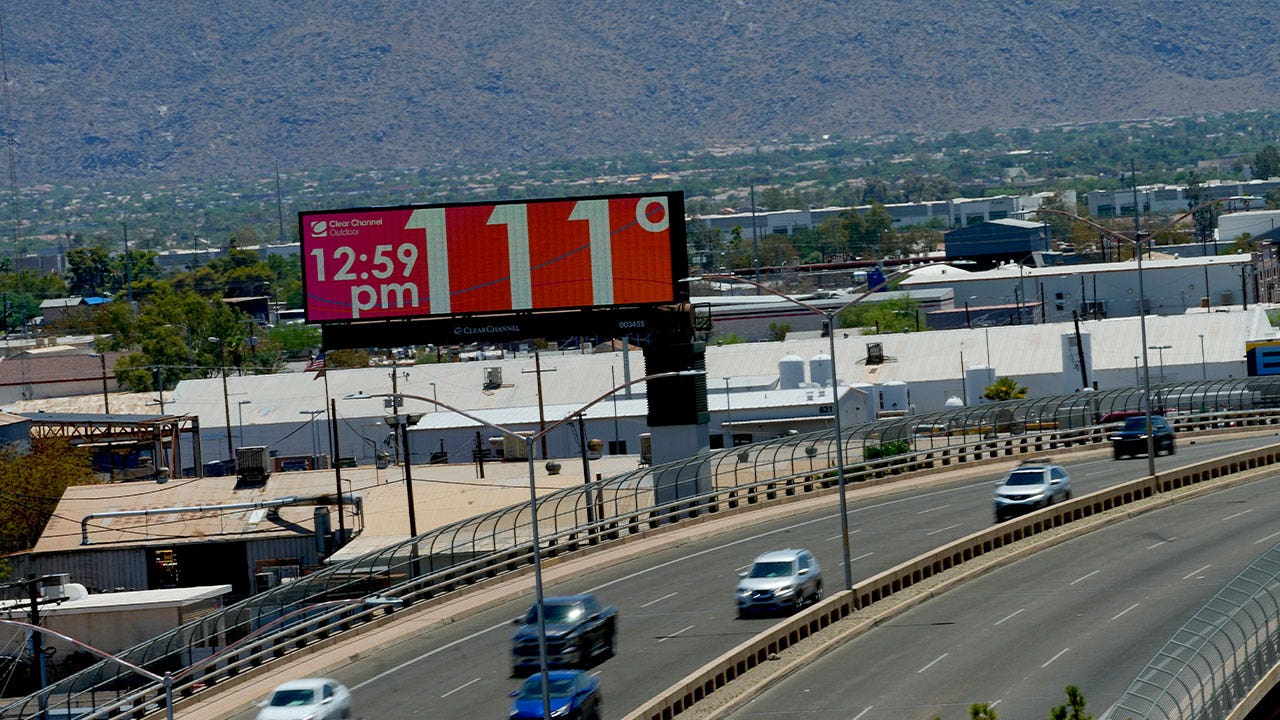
[1204,372]
[1160,349]
[315,434]
[529,440]
[240,419]
[728,424]
[830,318]
[434,396]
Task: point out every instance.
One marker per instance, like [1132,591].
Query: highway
[676,609]
[1089,612]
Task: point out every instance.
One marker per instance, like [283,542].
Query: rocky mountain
[102,89]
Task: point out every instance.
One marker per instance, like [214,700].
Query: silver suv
[1033,484]
[780,580]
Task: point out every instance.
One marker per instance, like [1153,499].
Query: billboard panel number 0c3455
[419,261]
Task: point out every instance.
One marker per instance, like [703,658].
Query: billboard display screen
[481,258]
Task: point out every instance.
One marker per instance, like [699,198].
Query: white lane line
[940,507]
[678,632]
[1233,517]
[1274,534]
[1010,615]
[865,710]
[447,646]
[1197,571]
[1084,577]
[1162,542]
[936,660]
[1055,657]
[940,530]
[837,537]
[460,687]
[992,705]
[506,626]
[1122,612]
[863,555]
[668,596]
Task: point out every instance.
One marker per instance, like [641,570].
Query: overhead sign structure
[435,261]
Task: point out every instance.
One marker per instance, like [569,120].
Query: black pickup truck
[579,630]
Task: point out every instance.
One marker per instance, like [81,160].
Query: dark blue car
[575,695]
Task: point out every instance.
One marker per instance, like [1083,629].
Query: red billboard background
[480,258]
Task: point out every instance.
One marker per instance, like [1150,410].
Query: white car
[307,699]
[780,580]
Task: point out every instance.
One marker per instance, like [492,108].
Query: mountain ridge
[97,90]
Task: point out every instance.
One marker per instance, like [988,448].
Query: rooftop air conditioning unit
[875,354]
[515,448]
[253,465]
[492,377]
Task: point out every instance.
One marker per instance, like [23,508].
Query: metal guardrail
[1210,665]
[475,550]
[860,605]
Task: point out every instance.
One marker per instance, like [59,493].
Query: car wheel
[612,648]
[1118,455]
[1171,446]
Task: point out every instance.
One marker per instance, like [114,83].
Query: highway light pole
[529,440]
[830,322]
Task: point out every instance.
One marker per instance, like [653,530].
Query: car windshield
[557,613]
[773,569]
[292,698]
[1025,477]
[532,688]
[1136,424]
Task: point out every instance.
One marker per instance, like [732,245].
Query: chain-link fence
[1213,661]
[336,598]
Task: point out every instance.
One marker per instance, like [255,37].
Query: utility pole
[542,418]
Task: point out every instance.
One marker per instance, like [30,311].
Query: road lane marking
[668,596]
[1010,615]
[1084,577]
[1233,517]
[863,555]
[926,667]
[681,630]
[460,687]
[940,507]
[837,537]
[1055,657]
[1274,534]
[505,626]
[1193,573]
[1122,612]
[939,530]
[1162,542]
[865,710]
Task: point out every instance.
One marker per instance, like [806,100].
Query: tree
[88,269]
[1005,388]
[1074,709]
[886,316]
[1266,164]
[32,483]
[982,711]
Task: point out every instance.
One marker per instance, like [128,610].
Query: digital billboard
[428,261]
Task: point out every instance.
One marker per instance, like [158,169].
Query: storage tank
[894,397]
[820,369]
[976,380]
[790,372]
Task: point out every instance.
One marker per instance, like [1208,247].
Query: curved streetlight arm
[86,647]
[520,436]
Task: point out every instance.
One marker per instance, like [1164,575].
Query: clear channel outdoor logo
[319,228]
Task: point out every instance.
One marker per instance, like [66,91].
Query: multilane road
[676,606]
[1089,612]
